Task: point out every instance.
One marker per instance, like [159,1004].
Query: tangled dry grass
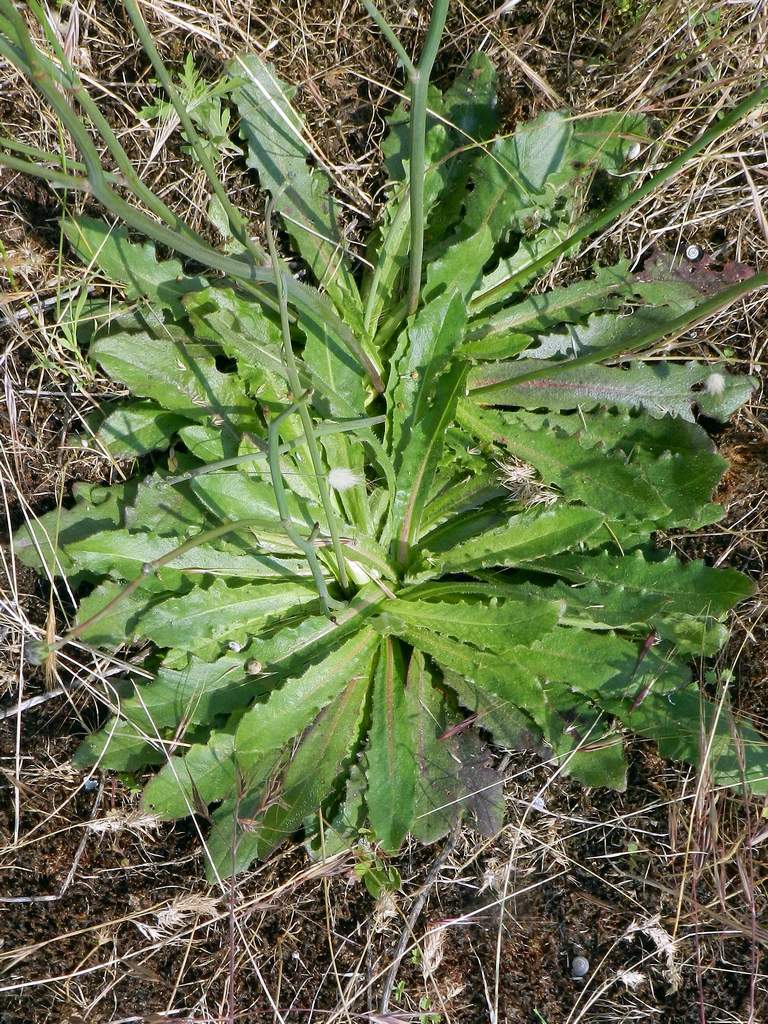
[663,888]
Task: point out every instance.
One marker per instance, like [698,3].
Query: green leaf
[391,752]
[598,333]
[194,693]
[495,285]
[437,795]
[495,626]
[308,781]
[422,396]
[42,542]
[279,151]
[121,554]
[221,612]
[469,109]
[509,725]
[605,481]
[676,457]
[530,535]
[626,431]
[137,428]
[115,627]
[658,388]
[606,290]
[420,461]
[245,333]
[454,773]
[683,588]
[292,648]
[235,495]
[583,741]
[160,362]
[186,785]
[459,267]
[341,832]
[390,261]
[424,353]
[704,734]
[289,708]
[509,677]
[118,747]
[166,510]
[136,267]
[508,181]
[592,606]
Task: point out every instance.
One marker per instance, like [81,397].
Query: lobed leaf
[137,428]
[279,151]
[661,389]
[525,537]
[162,282]
[290,707]
[161,362]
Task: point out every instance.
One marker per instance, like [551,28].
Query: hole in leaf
[224,364]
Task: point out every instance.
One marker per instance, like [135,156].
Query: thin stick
[304,415]
[389,34]
[329,604]
[71,81]
[28,59]
[236,222]
[413,916]
[321,430]
[418,132]
[418,79]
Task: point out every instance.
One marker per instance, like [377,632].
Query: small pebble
[579,967]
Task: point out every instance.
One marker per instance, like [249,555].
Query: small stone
[579,967]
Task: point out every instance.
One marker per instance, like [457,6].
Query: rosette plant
[387,507]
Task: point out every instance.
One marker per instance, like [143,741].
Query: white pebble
[579,967]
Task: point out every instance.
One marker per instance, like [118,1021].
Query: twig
[413,916]
[282,506]
[304,415]
[418,79]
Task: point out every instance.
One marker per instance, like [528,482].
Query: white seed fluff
[715,384]
[632,979]
[342,479]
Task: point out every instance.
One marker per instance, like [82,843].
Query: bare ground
[105,916]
